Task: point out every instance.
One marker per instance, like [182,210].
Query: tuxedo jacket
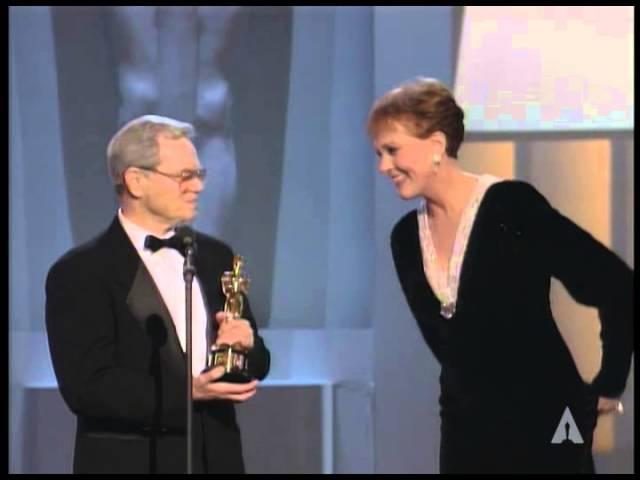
[120,367]
[503,360]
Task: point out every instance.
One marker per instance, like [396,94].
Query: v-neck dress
[445,284]
[507,376]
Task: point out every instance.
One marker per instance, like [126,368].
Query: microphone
[185,239]
[185,242]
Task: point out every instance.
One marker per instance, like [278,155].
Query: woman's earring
[436,160]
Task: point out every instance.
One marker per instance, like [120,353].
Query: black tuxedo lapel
[148,308]
[143,298]
[209,269]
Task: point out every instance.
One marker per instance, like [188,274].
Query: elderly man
[115,315]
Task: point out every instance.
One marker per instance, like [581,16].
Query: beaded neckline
[445,284]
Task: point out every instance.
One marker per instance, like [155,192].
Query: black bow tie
[154,243]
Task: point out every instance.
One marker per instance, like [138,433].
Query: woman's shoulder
[406,225]
[517,193]
[514,188]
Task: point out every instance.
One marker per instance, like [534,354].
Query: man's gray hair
[136,145]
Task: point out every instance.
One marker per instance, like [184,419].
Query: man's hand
[206,388]
[234,331]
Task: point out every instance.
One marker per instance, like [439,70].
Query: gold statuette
[233,358]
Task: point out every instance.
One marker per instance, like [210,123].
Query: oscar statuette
[234,358]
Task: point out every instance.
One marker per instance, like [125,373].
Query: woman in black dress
[475,262]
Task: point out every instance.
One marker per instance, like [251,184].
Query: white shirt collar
[136,233]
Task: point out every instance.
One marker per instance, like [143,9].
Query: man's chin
[191,214]
[186,219]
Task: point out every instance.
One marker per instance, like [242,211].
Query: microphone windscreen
[187,236]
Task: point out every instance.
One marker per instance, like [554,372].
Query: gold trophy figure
[233,358]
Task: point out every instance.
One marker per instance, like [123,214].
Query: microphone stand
[188,272]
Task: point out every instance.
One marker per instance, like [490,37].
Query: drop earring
[436,160]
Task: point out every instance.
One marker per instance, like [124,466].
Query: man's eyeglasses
[183,176]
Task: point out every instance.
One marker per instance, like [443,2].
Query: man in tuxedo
[115,316]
